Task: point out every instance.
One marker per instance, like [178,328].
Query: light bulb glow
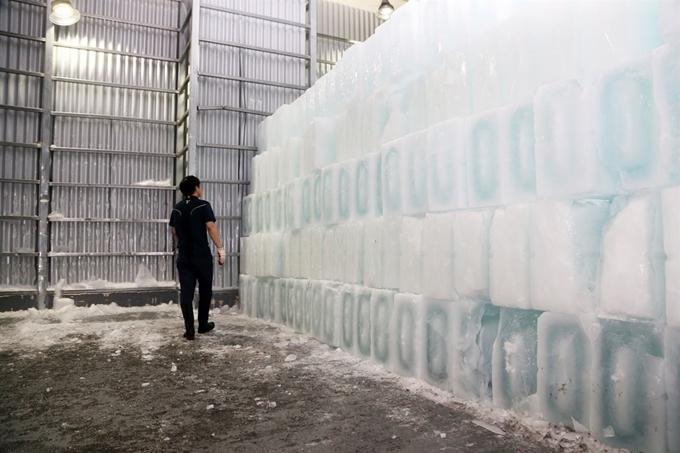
[63,13]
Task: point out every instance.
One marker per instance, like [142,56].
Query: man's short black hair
[188,185]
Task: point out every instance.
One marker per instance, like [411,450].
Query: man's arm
[215,236]
[175,239]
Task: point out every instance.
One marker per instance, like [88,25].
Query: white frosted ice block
[319,140]
[484,81]
[669,21]
[391,253]
[292,244]
[353,251]
[670,203]
[392,184]
[243,255]
[446,173]
[483,157]
[276,254]
[373,246]
[291,155]
[329,257]
[246,213]
[316,185]
[509,258]
[414,173]
[628,398]
[293,195]
[257,214]
[355,145]
[275,160]
[411,255]
[567,160]
[293,295]
[256,173]
[306,252]
[362,320]
[555,33]
[514,359]
[342,134]
[340,251]
[405,334]
[347,310]
[244,293]
[329,177]
[435,366]
[673,292]
[672,378]
[382,302]
[307,202]
[438,256]
[627,128]
[280,300]
[517,58]
[266,250]
[344,192]
[316,252]
[565,252]
[474,327]
[276,209]
[416,109]
[564,364]
[471,249]
[631,273]
[366,177]
[261,308]
[397,123]
[314,312]
[332,316]
[666,73]
[517,153]
[376,116]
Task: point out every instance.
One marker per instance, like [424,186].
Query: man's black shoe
[206,328]
[189,336]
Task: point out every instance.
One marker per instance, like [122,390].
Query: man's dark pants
[192,270]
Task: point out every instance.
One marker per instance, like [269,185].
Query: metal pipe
[110,151]
[20,108]
[115,52]
[194,88]
[101,254]
[337,38]
[113,85]
[102,220]
[112,118]
[20,36]
[312,42]
[220,146]
[20,181]
[223,181]
[254,81]
[22,72]
[19,217]
[18,253]
[21,145]
[255,16]
[256,49]
[109,186]
[207,108]
[129,22]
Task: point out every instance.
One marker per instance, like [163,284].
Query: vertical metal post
[194,61]
[312,42]
[45,165]
[181,101]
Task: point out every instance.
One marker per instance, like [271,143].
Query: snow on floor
[148,328]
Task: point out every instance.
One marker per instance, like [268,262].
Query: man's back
[189,218]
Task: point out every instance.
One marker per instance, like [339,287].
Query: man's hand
[221,255]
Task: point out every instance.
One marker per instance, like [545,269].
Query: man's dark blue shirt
[189,217]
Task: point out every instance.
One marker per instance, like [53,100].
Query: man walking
[191,221]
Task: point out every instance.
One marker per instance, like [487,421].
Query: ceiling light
[385,10]
[63,13]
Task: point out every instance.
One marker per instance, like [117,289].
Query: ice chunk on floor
[392,184]
[474,328]
[564,364]
[628,387]
[414,173]
[436,343]
[567,161]
[672,379]
[373,246]
[447,179]
[405,334]
[332,319]
[509,258]
[391,229]
[410,255]
[514,359]
[471,234]
[348,334]
[565,252]
[366,176]
[517,152]
[483,160]
[382,302]
[438,256]
[631,274]
[362,319]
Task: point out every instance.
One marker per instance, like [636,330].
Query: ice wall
[485,195]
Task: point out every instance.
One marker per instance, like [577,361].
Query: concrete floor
[106,384]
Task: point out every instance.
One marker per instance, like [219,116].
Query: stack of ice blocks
[486,196]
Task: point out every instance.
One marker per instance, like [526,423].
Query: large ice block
[344,192]
[627,129]
[382,302]
[319,139]
[567,159]
[293,200]
[329,257]
[262,306]
[517,152]
[392,184]
[517,58]
[246,213]
[474,327]
[316,184]
[329,176]
[276,255]
[292,152]
[628,396]
[670,203]
[314,313]
[564,364]
[366,177]
[672,379]
[291,303]
[411,255]
[436,343]
[666,73]
[376,116]
[245,296]
[257,214]
[265,255]
[438,256]
[353,252]
[446,173]
[348,333]
[291,244]
[565,252]
[306,252]
[332,317]
[316,252]
[362,320]
[277,209]
[405,334]
[484,82]
[373,247]
[281,302]
[397,123]
[414,173]
[471,234]
[631,273]
[483,157]
[391,253]
[514,359]
[306,202]
[509,258]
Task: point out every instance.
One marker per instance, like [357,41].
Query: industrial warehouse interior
[340,226]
